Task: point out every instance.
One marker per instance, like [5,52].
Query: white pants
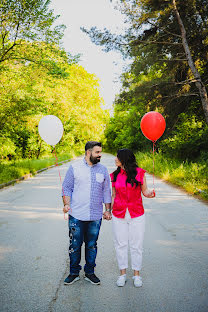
[129,231]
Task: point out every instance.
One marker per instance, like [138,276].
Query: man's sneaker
[71,279]
[137,281]
[92,278]
[121,280]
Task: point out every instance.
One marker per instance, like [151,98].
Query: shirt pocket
[99,177]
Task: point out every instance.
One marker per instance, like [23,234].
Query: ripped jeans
[79,231]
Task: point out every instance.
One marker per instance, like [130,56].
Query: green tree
[23,21]
[170,34]
[38,77]
[167,43]
[28,93]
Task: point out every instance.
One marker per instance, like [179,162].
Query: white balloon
[50,129]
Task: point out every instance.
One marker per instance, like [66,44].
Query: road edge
[29,175]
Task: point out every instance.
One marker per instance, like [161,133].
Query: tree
[27,35]
[28,93]
[154,38]
[200,85]
[23,22]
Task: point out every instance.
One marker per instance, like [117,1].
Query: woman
[128,181]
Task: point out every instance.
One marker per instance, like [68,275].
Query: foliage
[13,170]
[123,131]
[188,140]
[28,93]
[159,77]
[38,77]
[191,176]
[23,22]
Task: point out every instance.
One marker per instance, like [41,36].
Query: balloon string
[154,148]
[56,161]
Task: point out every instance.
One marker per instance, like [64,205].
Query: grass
[191,176]
[12,170]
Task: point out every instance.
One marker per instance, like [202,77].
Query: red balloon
[153,125]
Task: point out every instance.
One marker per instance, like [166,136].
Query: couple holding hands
[85,188]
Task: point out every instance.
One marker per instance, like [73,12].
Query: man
[86,186]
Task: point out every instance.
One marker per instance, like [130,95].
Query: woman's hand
[107,215]
[145,191]
[151,194]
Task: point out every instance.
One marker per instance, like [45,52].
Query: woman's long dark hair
[128,161]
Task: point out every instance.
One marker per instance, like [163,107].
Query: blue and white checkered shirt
[88,188]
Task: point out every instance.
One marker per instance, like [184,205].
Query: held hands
[107,215]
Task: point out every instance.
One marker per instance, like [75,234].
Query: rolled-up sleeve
[107,189]
[68,184]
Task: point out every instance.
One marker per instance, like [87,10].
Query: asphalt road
[34,253]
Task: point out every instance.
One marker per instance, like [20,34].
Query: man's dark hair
[91,144]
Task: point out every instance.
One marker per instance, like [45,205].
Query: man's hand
[107,215]
[66,208]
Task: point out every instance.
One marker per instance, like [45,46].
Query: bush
[192,176]
[11,170]
[189,140]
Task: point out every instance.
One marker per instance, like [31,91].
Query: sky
[88,13]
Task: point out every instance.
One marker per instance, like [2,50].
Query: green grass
[11,170]
[193,177]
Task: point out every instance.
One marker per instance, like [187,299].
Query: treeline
[38,77]
[167,43]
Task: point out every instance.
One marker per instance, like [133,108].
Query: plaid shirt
[88,188]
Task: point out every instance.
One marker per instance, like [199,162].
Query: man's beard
[94,160]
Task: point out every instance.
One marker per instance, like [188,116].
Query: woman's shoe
[137,281]
[121,280]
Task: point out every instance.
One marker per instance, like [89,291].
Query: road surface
[34,253]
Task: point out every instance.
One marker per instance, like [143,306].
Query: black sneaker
[92,278]
[71,279]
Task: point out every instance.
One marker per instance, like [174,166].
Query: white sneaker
[137,281]
[121,280]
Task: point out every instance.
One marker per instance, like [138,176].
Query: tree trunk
[199,83]
[39,148]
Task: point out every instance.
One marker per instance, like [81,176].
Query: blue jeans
[79,231]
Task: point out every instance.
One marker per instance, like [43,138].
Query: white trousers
[129,232]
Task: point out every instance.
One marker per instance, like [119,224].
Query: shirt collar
[122,171]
